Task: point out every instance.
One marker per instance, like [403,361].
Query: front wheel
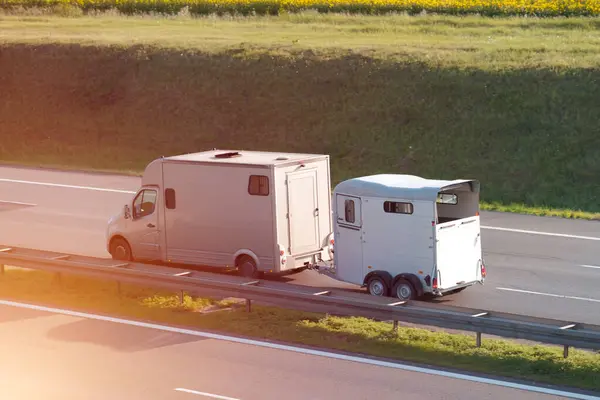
[404,290]
[120,250]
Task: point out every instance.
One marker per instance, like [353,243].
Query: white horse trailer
[405,236]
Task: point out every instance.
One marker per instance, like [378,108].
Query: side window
[144,204]
[258,185]
[170,198]
[396,207]
[447,198]
[349,211]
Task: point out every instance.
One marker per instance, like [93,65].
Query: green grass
[540,211]
[358,335]
[512,102]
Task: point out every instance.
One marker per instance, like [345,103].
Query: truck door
[303,212]
[143,230]
[348,255]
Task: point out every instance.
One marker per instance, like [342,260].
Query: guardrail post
[181,297]
[395,326]
[478,340]
[1,269]
[566,346]
[248,305]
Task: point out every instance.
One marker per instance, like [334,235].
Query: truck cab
[406,236]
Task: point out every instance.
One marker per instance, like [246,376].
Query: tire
[247,267]
[376,286]
[404,290]
[120,250]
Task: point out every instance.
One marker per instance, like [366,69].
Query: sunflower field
[539,8]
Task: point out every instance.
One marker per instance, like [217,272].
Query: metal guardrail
[304,298]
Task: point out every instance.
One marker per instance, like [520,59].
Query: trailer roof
[408,187]
[246,157]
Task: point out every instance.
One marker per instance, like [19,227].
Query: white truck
[253,211]
[405,236]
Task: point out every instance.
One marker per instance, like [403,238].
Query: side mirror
[126,211]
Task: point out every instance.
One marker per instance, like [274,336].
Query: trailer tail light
[483,273]
[435,283]
[282,256]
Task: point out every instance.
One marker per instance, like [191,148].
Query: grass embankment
[512,102]
[499,357]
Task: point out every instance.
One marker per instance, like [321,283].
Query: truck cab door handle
[151,225]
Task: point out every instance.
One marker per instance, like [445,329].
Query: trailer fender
[413,279]
[386,276]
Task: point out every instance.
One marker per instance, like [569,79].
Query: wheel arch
[386,276]
[414,281]
[238,255]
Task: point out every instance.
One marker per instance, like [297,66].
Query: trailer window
[447,198]
[458,205]
[396,207]
[144,203]
[349,211]
[170,198]
[258,185]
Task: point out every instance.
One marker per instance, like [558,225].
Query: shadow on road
[12,314]
[123,338]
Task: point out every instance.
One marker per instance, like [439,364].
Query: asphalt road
[51,356]
[538,275]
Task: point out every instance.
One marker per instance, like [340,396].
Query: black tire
[404,290]
[376,286]
[247,267]
[120,250]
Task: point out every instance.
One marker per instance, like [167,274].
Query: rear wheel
[377,286]
[404,290]
[247,267]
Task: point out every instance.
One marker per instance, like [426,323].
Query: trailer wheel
[404,290]
[376,286]
[120,250]
[247,267]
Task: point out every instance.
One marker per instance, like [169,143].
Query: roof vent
[228,155]
[282,158]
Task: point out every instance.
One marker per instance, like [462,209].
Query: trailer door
[303,212]
[458,252]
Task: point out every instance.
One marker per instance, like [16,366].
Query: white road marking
[214,396]
[591,266]
[133,192]
[18,203]
[97,189]
[542,233]
[252,342]
[549,294]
